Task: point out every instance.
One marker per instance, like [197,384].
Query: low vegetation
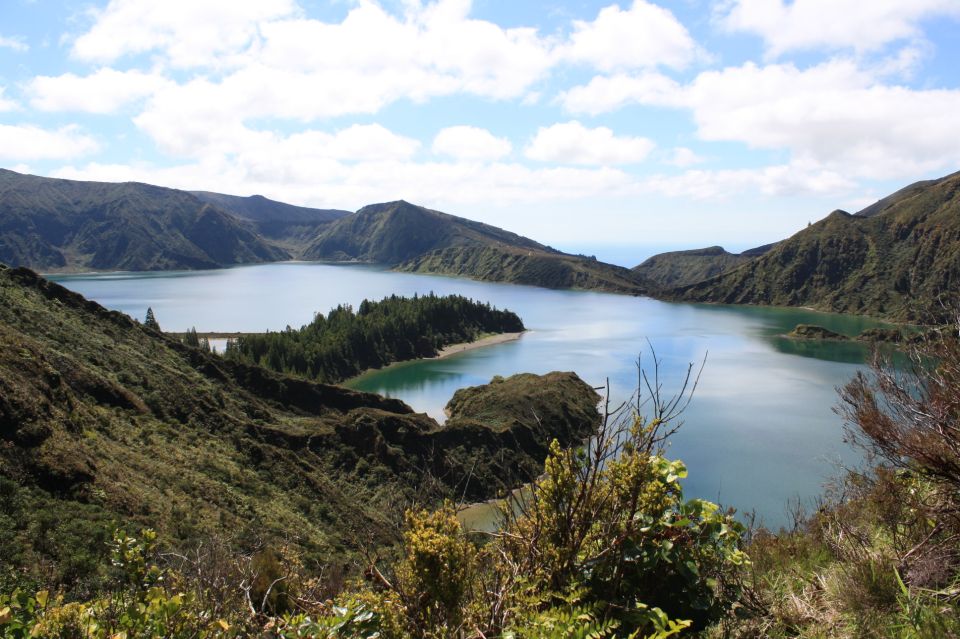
[106,423]
[344,343]
[602,543]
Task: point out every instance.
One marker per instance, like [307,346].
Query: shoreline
[446,351]
[489,340]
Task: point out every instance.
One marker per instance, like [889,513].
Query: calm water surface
[760,431]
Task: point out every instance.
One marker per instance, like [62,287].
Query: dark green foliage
[190,338]
[344,343]
[900,259]
[150,321]
[812,331]
[54,224]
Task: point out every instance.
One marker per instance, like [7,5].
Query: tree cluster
[345,342]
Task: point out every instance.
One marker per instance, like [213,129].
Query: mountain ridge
[899,261]
[55,224]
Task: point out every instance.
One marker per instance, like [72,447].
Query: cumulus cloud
[104,91]
[834,114]
[27,142]
[573,143]
[441,184]
[14,43]
[793,179]
[683,157]
[645,35]
[470,143]
[6,104]
[814,24]
[609,93]
[188,33]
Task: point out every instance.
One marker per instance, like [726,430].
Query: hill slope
[416,239]
[679,268]
[393,232]
[901,260]
[53,224]
[292,226]
[104,422]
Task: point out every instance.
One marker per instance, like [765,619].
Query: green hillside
[526,266]
[397,231]
[289,225]
[52,224]
[679,268]
[416,239]
[104,422]
[901,260]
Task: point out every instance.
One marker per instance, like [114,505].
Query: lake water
[759,433]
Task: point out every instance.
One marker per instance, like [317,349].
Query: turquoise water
[759,433]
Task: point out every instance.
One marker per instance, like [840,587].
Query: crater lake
[759,435]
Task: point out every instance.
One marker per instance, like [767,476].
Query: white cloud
[833,114]
[104,91]
[609,93]
[684,157]
[573,143]
[6,104]
[189,33]
[787,180]
[834,24]
[357,142]
[470,143]
[15,43]
[26,142]
[444,185]
[645,35]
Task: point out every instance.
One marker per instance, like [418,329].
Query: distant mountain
[679,268]
[106,423]
[515,265]
[394,232]
[899,258]
[413,238]
[291,225]
[52,224]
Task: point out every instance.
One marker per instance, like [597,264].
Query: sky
[608,128]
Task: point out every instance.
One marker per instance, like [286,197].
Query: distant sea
[629,255]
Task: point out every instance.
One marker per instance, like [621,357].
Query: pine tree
[150,321]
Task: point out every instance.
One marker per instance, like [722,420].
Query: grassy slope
[679,268]
[103,421]
[896,263]
[54,224]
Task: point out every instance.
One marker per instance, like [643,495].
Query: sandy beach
[489,340]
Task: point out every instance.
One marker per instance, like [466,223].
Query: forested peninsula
[344,343]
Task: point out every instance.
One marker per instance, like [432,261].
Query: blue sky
[615,129]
